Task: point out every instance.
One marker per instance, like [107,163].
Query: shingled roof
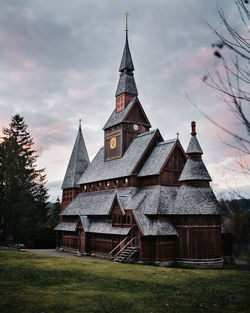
[67,226]
[195,200]
[104,226]
[117,118]
[78,162]
[126,62]
[91,203]
[157,158]
[99,170]
[126,82]
[153,227]
[194,170]
[152,200]
[194,146]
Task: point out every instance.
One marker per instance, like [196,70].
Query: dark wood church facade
[141,198]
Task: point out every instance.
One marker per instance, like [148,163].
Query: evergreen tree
[23,195]
[53,214]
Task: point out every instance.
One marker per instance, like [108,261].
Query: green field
[31,283]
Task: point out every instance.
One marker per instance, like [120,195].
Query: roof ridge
[166,142]
[77,150]
[148,132]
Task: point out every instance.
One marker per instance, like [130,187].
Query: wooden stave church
[141,198]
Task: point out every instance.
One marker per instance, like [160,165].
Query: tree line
[25,213]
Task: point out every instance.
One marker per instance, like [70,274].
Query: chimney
[193,127]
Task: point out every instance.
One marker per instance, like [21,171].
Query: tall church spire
[78,162]
[126,84]
[126,61]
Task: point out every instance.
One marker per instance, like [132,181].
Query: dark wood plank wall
[136,116]
[157,248]
[173,168]
[199,237]
[114,132]
[70,241]
[102,243]
[166,248]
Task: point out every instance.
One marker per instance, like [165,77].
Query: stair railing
[118,245]
[125,246]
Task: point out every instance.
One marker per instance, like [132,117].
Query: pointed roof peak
[78,162]
[126,62]
[193,146]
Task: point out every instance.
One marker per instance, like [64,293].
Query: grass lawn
[32,283]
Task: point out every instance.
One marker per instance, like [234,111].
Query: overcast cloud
[59,62]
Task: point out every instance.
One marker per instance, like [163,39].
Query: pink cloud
[201,59]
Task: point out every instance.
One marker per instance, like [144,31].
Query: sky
[59,63]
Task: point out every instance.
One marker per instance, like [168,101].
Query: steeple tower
[77,165]
[126,88]
[128,119]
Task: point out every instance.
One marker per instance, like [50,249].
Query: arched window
[125,182]
[107,184]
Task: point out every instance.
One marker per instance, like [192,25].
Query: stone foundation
[206,264]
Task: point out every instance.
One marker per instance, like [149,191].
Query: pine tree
[23,195]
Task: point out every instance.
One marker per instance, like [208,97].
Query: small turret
[194,169]
[78,163]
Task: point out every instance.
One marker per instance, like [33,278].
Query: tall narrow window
[128,219]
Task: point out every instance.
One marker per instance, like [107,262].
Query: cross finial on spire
[177,134]
[126,14]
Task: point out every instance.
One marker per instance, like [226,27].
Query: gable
[116,208]
[176,159]
[136,114]
[117,117]
[157,159]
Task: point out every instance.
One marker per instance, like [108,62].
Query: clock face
[112,143]
[136,127]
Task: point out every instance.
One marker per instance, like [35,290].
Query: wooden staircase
[126,254]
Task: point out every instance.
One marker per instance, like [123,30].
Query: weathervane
[126,14]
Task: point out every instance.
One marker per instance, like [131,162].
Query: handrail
[118,245]
[125,246]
